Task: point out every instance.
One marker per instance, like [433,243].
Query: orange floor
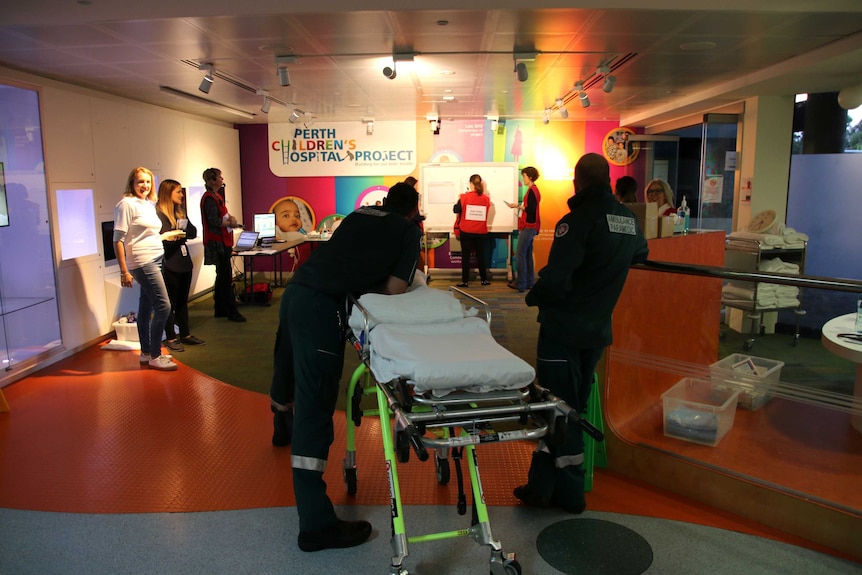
[97,433]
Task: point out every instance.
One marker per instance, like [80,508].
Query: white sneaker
[162,363]
[145,357]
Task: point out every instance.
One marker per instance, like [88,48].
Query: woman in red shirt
[471,228]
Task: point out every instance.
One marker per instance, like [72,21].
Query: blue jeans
[524,257]
[154,306]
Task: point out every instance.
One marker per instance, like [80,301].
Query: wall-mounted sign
[342,149]
[618,149]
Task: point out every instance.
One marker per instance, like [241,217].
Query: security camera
[389,72]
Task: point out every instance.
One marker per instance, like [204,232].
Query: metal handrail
[805,281]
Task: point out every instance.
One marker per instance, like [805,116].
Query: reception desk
[666,327]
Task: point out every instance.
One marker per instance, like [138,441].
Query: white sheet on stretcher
[444,357]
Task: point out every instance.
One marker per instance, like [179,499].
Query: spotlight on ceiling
[266,104]
[520,66]
[295,115]
[281,63]
[390,72]
[582,95]
[546,116]
[207,81]
[495,123]
[609,81]
[564,113]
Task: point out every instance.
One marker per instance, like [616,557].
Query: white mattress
[444,357]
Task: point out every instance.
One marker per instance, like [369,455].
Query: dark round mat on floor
[581,546]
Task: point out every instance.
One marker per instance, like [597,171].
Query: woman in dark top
[178,265]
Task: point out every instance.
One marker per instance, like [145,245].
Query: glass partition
[779,407]
[29,317]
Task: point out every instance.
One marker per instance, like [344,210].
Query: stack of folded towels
[786,239]
[766,296]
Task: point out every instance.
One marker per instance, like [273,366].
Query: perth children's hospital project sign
[342,149]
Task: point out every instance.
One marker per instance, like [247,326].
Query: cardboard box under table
[696,410]
[752,376]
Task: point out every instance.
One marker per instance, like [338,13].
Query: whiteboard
[442,184]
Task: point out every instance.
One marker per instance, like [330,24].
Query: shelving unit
[747,256]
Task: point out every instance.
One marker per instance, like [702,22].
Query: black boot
[569,489]
[540,481]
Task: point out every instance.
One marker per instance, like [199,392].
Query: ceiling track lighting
[281,63]
[546,116]
[295,115]
[211,103]
[582,95]
[266,105]
[561,107]
[369,125]
[609,81]
[520,67]
[390,71]
[494,123]
[207,81]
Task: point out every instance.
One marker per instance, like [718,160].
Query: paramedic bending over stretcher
[375,249]
[594,245]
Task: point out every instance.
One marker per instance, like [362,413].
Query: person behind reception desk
[375,250]
[659,191]
[594,245]
[218,226]
[178,264]
[471,228]
[626,190]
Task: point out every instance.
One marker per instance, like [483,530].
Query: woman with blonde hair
[140,252]
[658,191]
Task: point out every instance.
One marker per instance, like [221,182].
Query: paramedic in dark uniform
[375,249]
[594,245]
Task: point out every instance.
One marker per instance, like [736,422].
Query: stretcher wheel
[402,447]
[509,567]
[350,480]
[442,465]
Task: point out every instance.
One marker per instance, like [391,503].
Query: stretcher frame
[456,422]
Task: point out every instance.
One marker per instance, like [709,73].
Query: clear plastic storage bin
[753,385]
[698,411]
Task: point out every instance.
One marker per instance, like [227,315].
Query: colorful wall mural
[552,148]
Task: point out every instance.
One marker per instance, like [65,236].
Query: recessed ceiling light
[447,72]
[697,46]
[448,98]
[442,22]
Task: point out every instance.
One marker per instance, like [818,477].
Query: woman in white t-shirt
[140,252]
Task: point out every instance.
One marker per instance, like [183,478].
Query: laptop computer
[247,241]
[265,225]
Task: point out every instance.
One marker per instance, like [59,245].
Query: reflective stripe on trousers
[311,463]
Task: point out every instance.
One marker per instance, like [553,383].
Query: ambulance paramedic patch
[561,230]
[621,225]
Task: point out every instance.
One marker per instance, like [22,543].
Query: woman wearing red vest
[528,227]
[218,226]
[471,228]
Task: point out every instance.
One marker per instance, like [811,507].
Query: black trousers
[309,357]
[471,243]
[178,285]
[224,300]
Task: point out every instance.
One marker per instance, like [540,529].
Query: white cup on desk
[182,223]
